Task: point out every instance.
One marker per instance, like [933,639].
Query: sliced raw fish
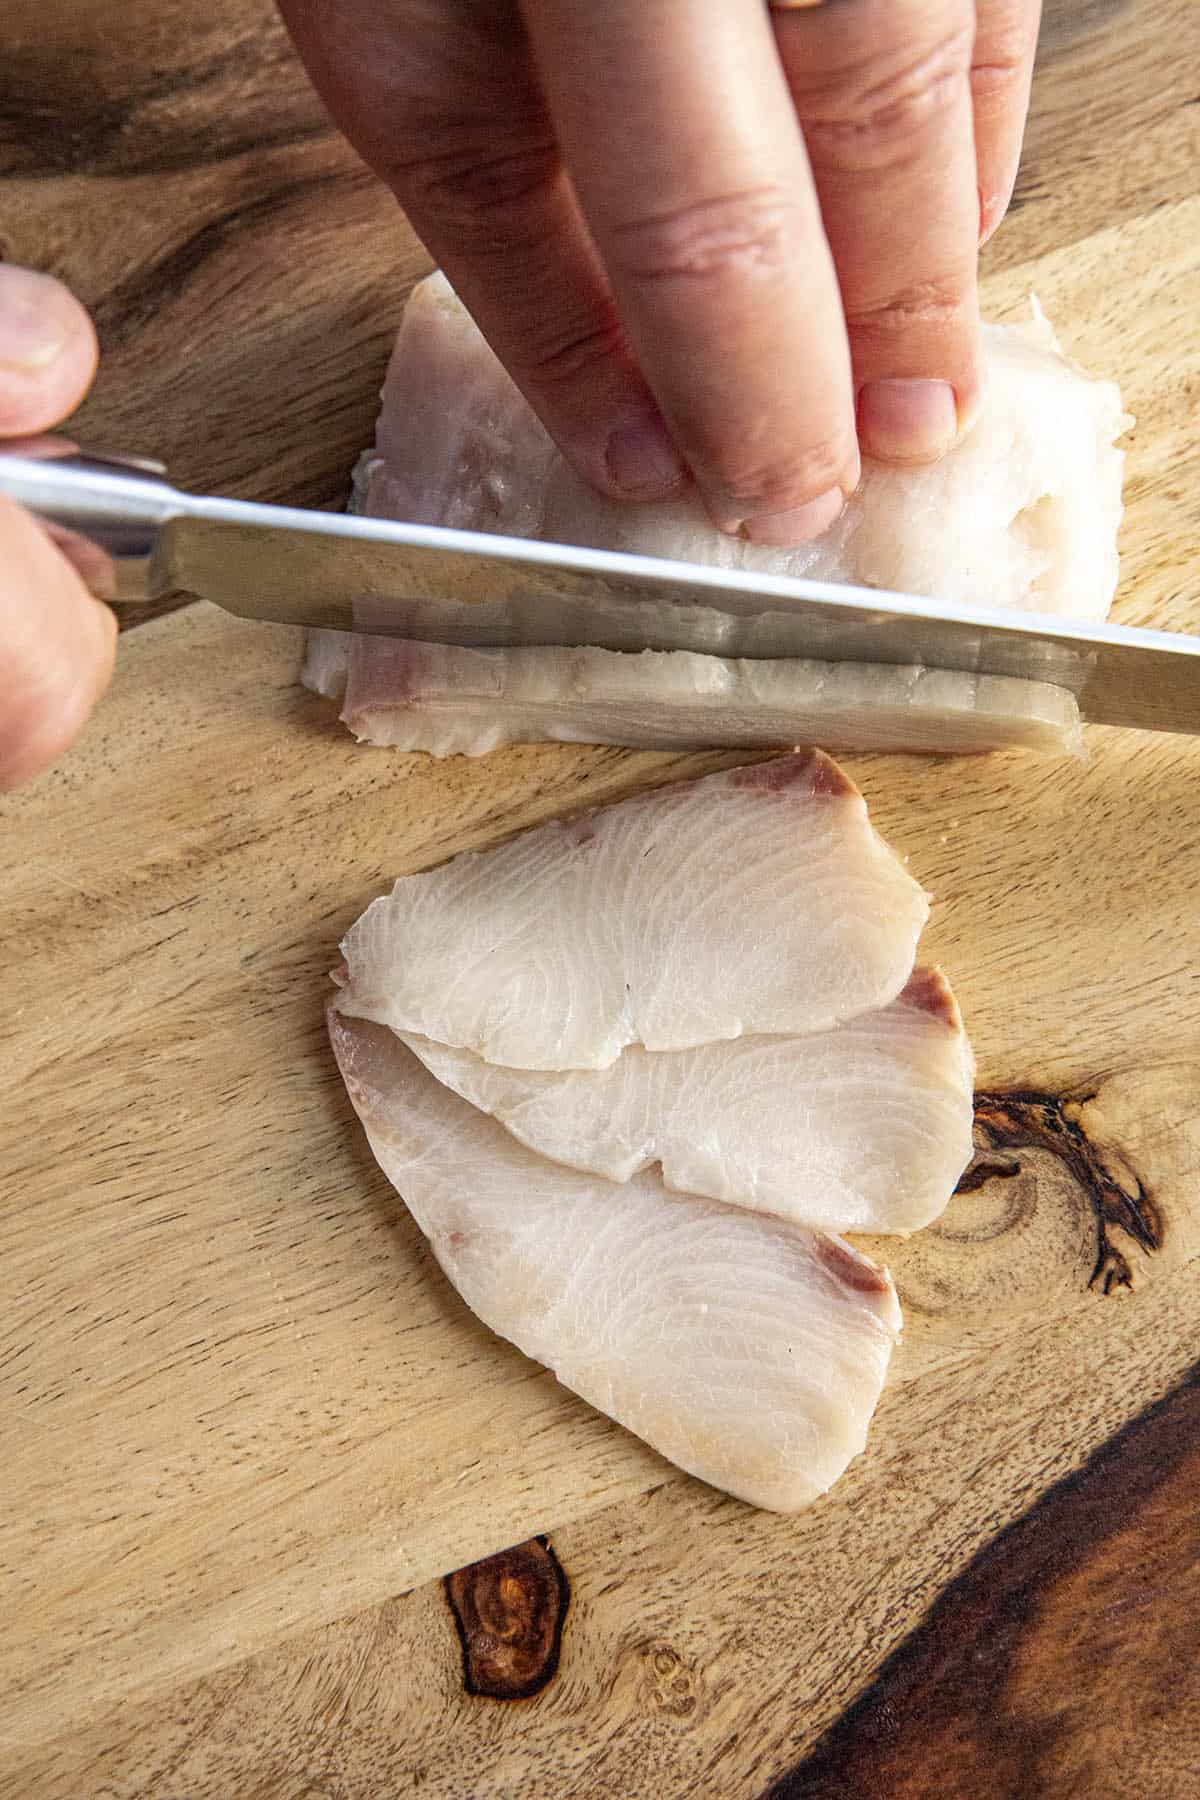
[1022,513]
[454,701]
[758,900]
[866,1127]
[748,1350]
[327,661]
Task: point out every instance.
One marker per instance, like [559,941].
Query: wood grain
[172,164]
[242,1413]
[1089,1584]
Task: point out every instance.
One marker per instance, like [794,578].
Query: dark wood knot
[510,1610]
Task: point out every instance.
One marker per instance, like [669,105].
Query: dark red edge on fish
[811,769]
[851,1267]
[928,991]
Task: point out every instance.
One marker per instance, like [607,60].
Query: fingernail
[32,334]
[641,460]
[799,525]
[907,420]
[993,207]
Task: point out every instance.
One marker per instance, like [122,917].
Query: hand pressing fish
[1023,513]
[695,1018]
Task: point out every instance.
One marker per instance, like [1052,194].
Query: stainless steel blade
[457,587]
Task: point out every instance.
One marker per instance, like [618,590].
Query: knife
[135,538]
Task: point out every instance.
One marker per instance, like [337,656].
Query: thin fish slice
[748,1351]
[759,900]
[866,1127]
[448,701]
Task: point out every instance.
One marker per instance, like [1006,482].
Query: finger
[676,125]
[47,351]
[451,116]
[535,287]
[1001,72]
[57,646]
[882,91]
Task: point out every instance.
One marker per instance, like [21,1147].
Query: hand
[701,234]
[56,642]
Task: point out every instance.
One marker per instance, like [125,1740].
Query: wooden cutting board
[246,1425]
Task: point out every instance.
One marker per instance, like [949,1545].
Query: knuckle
[39,728]
[464,189]
[711,238]
[941,304]
[559,360]
[770,485]
[49,690]
[1004,54]
[998,79]
[880,110]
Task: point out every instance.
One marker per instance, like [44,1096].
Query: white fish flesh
[327,662]
[448,701]
[758,900]
[1022,513]
[749,1351]
[866,1127]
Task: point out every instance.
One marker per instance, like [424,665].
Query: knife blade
[149,540]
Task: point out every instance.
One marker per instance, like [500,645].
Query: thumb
[47,351]
[56,642]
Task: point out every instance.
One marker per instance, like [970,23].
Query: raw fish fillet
[759,900]
[866,1127]
[453,701]
[749,1351]
[1022,513]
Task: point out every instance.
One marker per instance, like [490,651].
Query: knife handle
[107,514]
